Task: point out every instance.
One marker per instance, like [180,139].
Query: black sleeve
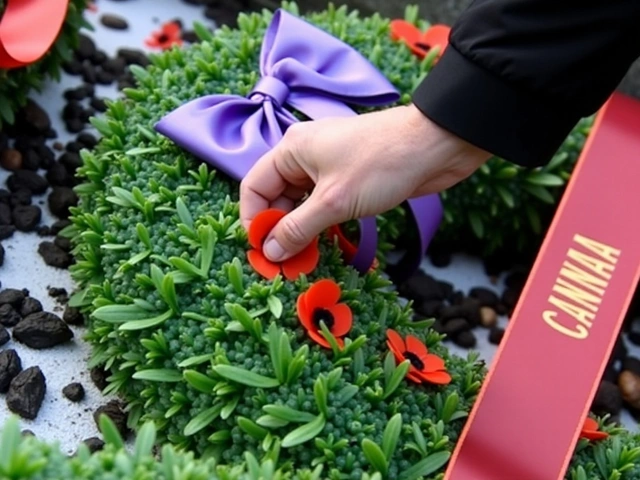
[519,74]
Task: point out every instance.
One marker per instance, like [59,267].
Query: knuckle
[335,199]
[293,232]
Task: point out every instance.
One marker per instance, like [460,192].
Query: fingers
[277,180]
[299,227]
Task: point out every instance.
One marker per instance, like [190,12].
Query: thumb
[297,229]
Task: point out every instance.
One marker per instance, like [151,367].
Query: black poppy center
[163,38]
[415,361]
[323,315]
[422,46]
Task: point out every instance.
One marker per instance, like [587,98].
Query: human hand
[354,167]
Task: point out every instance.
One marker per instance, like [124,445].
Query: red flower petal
[171,29]
[590,424]
[396,344]
[304,315]
[304,262]
[415,346]
[343,319]
[403,30]
[324,293]
[432,363]
[262,224]
[437,36]
[594,435]
[152,42]
[347,248]
[439,378]
[414,377]
[262,264]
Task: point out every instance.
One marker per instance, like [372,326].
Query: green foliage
[16,84]
[209,351]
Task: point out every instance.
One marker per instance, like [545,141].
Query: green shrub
[17,84]
[208,350]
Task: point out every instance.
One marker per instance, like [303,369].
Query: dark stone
[486,297]
[32,118]
[60,200]
[10,366]
[94,444]
[27,179]
[632,364]
[99,58]
[6,231]
[26,217]
[87,113]
[59,176]
[27,433]
[465,339]
[9,317]
[98,104]
[21,197]
[42,330]
[12,296]
[54,256]
[86,48]
[469,310]
[125,83]
[47,156]
[5,195]
[610,373]
[454,326]
[57,292]
[78,93]
[63,242]
[456,298]
[619,350]
[74,392]
[133,56]
[114,22]
[26,393]
[501,309]
[439,257]
[430,308]
[89,73]
[71,110]
[11,159]
[509,299]
[495,335]
[72,67]
[4,336]
[1,255]
[190,36]
[73,316]
[58,226]
[30,305]
[51,134]
[43,231]
[421,287]
[115,411]
[634,337]
[74,147]
[31,160]
[75,125]
[608,399]
[5,214]
[99,377]
[516,279]
[115,66]
[105,78]
[88,140]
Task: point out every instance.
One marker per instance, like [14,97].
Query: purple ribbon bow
[306,69]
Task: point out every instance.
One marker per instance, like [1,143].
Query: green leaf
[197,360]
[9,441]
[183,213]
[186,267]
[143,235]
[450,406]
[391,435]
[141,151]
[235,276]
[251,428]
[399,373]
[269,421]
[169,293]
[539,192]
[389,367]
[346,393]
[138,257]
[240,314]
[426,466]
[159,375]
[544,179]
[147,322]
[80,299]
[110,433]
[202,420]
[288,414]
[115,247]
[245,377]
[275,306]
[208,244]
[304,433]
[320,393]
[375,456]
[279,366]
[145,439]
[228,409]
[200,381]
[221,436]
[119,313]
[476,223]
[202,32]
[506,196]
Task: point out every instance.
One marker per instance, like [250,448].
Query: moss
[188,330]
[17,84]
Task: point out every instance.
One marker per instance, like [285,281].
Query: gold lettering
[582,278]
[580,314]
[607,252]
[577,295]
[580,332]
[597,266]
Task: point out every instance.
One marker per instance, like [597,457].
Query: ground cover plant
[307,364]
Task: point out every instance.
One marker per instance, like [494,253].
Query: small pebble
[9,317]
[4,336]
[133,56]
[11,159]
[114,410]
[99,58]
[63,242]
[495,335]
[632,364]
[54,256]
[27,433]
[28,180]
[6,231]
[42,330]
[74,392]
[10,366]
[89,73]
[488,317]
[31,160]
[86,47]
[72,67]
[454,326]
[30,305]
[43,231]
[99,377]
[629,384]
[88,141]
[104,78]
[486,297]
[73,316]
[60,200]
[98,104]
[32,118]
[59,176]
[21,197]
[12,296]
[465,339]
[75,125]
[5,214]
[608,399]
[57,292]
[94,444]
[26,217]
[58,146]
[58,226]
[114,22]
[26,393]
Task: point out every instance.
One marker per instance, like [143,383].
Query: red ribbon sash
[28,29]
[528,416]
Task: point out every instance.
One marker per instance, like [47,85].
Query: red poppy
[425,366]
[321,304]
[348,249]
[421,42]
[169,35]
[591,431]
[304,262]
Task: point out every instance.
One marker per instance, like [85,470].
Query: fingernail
[273,250]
